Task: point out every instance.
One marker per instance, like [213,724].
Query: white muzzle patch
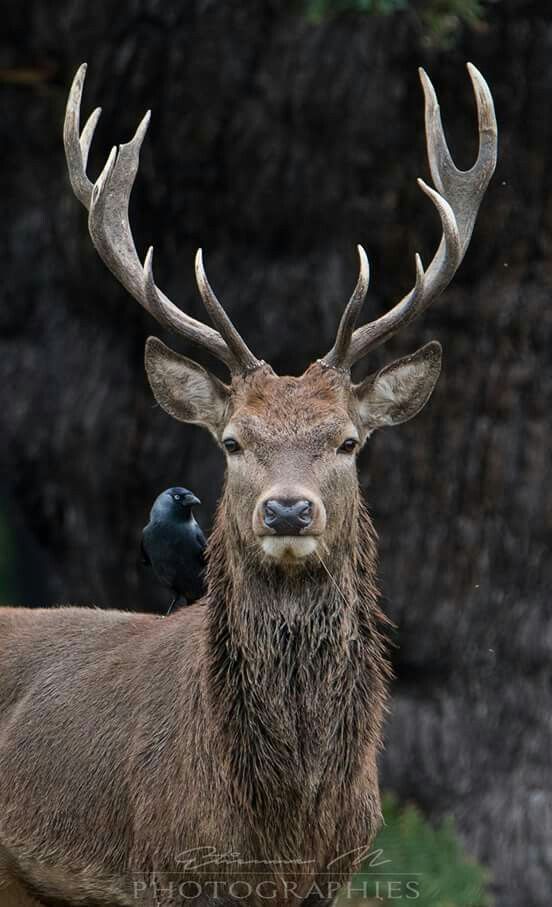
[289,546]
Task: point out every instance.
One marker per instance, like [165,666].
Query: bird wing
[201,542]
[160,548]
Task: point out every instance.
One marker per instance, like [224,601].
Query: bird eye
[348,446]
[176,497]
[231,445]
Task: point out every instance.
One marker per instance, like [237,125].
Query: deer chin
[289,547]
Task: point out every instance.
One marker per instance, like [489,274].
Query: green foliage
[413,862]
[440,19]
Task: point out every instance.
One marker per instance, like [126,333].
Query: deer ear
[184,389]
[400,390]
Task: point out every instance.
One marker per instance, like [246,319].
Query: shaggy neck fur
[297,676]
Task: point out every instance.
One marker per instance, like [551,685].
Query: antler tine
[173,318]
[108,222]
[463,189]
[349,318]
[457,199]
[220,319]
[77,146]
[427,286]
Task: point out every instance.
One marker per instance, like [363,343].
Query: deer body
[236,742]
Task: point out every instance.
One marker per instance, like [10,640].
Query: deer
[230,751]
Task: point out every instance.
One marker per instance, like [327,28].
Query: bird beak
[191,499]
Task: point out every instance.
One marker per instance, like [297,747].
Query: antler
[457,199]
[107,202]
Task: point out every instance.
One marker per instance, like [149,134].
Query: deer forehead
[315,405]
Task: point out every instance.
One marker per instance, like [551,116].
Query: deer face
[291,444]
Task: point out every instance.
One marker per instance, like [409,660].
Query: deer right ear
[399,390]
[184,389]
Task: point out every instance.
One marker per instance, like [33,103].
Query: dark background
[277,143]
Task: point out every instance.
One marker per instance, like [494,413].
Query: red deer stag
[228,753]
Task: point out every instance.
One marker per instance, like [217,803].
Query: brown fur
[249,723]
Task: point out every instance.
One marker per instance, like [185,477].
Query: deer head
[291,443]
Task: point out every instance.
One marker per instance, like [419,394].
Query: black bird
[173,545]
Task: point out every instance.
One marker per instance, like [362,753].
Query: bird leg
[172,604]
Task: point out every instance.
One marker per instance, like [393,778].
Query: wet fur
[250,723]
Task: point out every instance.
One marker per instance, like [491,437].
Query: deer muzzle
[287,517]
[288,522]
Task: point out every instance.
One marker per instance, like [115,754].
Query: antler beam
[107,202]
[457,197]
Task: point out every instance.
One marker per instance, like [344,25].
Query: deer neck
[296,668]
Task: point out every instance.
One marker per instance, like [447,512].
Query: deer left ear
[184,389]
[400,390]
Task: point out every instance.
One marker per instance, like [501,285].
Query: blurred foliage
[320,9]
[440,19]
[413,861]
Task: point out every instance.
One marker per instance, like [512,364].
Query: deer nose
[287,517]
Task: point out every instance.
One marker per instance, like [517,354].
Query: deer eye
[348,446]
[231,445]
